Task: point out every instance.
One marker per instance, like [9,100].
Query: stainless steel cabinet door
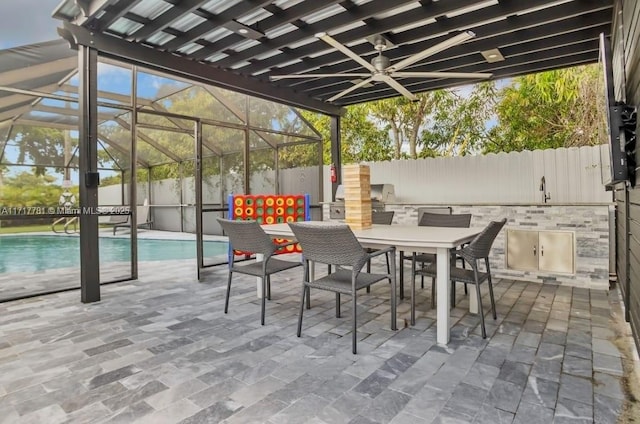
[522,251]
[556,251]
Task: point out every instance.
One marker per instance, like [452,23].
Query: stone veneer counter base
[589,222]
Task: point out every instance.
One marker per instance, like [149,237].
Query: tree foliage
[31,189]
[361,138]
[560,108]
[458,124]
[405,119]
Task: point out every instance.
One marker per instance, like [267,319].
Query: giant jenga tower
[356,180]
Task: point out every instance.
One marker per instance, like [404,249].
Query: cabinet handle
[534,251]
[541,250]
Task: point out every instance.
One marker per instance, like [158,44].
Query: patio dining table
[411,238]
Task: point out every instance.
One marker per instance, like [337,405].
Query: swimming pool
[23,253]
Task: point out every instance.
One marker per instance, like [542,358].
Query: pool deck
[161,350]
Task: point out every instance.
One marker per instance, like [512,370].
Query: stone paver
[160,349]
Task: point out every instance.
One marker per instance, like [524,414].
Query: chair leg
[305,290]
[493,301]
[465,284]
[453,294]
[480,311]
[354,326]
[386,256]
[337,305]
[268,287]
[401,275]
[413,289]
[433,293]
[226,300]
[264,298]
[306,278]
[368,272]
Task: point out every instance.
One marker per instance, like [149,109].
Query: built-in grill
[380,195]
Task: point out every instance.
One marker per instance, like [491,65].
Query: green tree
[458,124]
[43,147]
[560,108]
[404,119]
[361,139]
[27,189]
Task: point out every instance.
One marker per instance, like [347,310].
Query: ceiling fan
[381,70]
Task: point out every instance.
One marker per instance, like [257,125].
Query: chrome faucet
[543,188]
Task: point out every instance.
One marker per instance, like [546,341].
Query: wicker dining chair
[419,260]
[248,236]
[335,244]
[475,252]
[380,218]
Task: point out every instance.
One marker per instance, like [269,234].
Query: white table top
[405,237]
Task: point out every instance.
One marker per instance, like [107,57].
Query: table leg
[473,298]
[443,292]
[394,325]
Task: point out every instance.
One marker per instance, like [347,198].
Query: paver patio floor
[161,350]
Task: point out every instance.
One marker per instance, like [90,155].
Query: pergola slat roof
[203,38]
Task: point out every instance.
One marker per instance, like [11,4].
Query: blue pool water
[21,253]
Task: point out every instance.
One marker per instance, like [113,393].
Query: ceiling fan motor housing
[380,63]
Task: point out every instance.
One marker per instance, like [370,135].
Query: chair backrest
[333,244]
[247,236]
[434,209]
[383,218]
[462,220]
[480,246]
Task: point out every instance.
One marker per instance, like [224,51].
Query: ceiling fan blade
[350,89]
[344,49]
[279,77]
[453,41]
[441,75]
[399,88]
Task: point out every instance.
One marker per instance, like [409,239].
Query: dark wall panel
[626,45]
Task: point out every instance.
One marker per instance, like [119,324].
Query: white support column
[443,293]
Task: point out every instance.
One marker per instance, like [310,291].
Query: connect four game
[271,209]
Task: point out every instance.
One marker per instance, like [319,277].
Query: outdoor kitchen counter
[499,204]
[588,222]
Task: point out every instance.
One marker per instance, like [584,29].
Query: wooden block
[357,195]
[355,168]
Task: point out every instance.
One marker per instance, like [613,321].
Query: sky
[27,22]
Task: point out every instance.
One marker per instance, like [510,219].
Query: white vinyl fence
[572,175]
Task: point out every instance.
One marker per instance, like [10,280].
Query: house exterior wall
[626,58]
